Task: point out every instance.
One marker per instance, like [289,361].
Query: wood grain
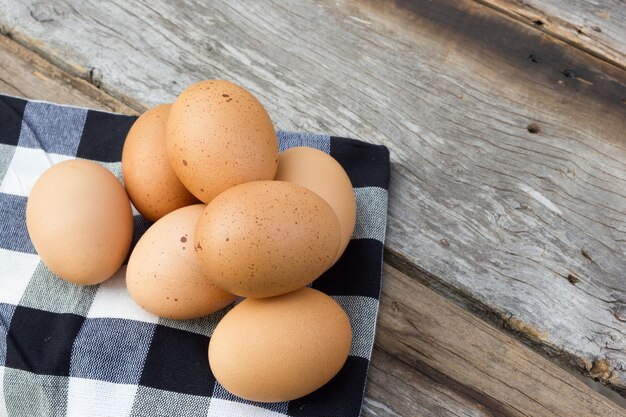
[508,146]
[25,74]
[598,28]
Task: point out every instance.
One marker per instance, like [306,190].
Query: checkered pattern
[68,350]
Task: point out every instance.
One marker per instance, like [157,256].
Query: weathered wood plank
[24,73]
[473,361]
[595,27]
[508,146]
[396,389]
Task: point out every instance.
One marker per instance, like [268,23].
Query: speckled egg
[151,183]
[265,238]
[219,135]
[280,348]
[80,221]
[165,277]
[321,173]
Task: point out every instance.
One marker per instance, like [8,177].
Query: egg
[79,219]
[280,348]
[321,173]
[219,135]
[151,183]
[266,238]
[165,277]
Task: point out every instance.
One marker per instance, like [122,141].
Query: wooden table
[505,264]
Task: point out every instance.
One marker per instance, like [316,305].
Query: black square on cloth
[338,397]
[41,342]
[103,136]
[178,361]
[11,114]
[354,273]
[372,158]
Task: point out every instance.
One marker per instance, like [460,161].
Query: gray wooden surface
[431,358]
[596,26]
[406,378]
[525,228]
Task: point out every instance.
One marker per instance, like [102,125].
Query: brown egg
[218,136]
[321,173]
[164,276]
[266,238]
[280,348]
[151,183]
[80,221]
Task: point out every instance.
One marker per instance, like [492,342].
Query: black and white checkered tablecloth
[68,350]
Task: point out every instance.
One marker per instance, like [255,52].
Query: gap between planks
[470,361]
[40,79]
[584,37]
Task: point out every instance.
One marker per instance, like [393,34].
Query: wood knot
[619,312]
[600,370]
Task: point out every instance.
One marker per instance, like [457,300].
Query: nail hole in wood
[569,73]
[533,128]
[538,22]
[534,58]
[572,279]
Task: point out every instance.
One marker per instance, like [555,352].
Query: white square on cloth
[93,398]
[26,167]
[16,270]
[226,408]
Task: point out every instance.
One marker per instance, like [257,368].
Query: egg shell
[219,135]
[280,348]
[80,221]
[165,277]
[321,173]
[266,238]
[151,183]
